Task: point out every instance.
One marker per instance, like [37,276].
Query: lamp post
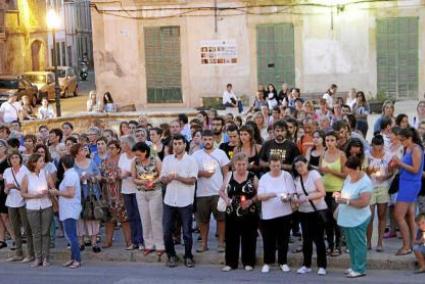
[53,23]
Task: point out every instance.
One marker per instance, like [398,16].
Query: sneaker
[355,274]
[302,270]
[189,263]
[265,269]
[172,261]
[322,271]
[249,268]
[285,268]
[226,268]
[348,271]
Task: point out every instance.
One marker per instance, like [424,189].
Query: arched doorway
[35,54]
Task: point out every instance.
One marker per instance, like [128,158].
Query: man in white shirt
[229,98]
[178,173]
[329,96]
[213,166]
[11,109]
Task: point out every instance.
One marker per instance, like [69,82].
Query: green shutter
[397,57]
[275,54]
[163,66]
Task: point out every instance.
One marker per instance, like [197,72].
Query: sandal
[75,265]
[147,251]
[403,252]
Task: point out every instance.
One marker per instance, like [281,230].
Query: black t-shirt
[286,150]
[228,149]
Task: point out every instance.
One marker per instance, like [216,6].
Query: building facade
[23,36]
[175,53]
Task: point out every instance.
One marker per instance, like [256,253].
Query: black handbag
[322,215]
[394,184]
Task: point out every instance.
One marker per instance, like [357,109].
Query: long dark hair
[107,98]
[412,133]
[355,142]
[257,134]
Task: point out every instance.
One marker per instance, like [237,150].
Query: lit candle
[284,197]
[209,166]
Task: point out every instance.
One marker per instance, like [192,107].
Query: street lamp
[53,23]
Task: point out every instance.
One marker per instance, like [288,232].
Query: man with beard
[213,165]
[281,146]
[179,172]
[217,128]
[229,147]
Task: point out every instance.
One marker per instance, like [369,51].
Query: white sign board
[218,52]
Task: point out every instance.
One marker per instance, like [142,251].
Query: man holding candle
[178,173]
[213,166]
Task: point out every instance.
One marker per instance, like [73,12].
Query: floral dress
[148,172]
[111,190]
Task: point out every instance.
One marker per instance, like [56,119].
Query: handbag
[394,184]
[321,214]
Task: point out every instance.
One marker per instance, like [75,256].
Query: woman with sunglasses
[89,175]
[113,196]
[311,199]
[410,167]
[331,167]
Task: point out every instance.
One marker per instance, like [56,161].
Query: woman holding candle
[380,175]
[311,200]
[274,191]
[145,173]
[69,194]
[34,189]
[112,193]
[410,166]
[89,175]
[354,214]
[239,192]
[331,167]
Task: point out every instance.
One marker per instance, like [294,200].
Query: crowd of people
[284,169]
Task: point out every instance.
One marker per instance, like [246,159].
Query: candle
[209,166]
[284,197]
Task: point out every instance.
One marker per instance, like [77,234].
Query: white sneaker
[355,274]
[249,268]
[348,271]
[265,269]
[321,271]
[226,268]
[285,268]
[303,270]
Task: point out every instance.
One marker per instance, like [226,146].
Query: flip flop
[403,252]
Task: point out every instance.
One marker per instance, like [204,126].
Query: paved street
[131,273]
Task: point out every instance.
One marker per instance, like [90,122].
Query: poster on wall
[219,52]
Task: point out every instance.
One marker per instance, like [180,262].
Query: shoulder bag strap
[306,194]
[16,181]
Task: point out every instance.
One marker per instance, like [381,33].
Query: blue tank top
[408,176]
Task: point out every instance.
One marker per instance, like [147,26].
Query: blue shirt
[349,216]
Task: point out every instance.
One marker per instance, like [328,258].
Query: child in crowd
[419,247]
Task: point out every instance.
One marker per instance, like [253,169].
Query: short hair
[102,139]
[229,85]
[42,126]
[183,118]
[72,139]
[128,139]
[353,163]
[275,158]
[69,124]
[30,137]
[57,132]
[334,86]
[341,124]
[67,161]
[14,153]
[232,128]
[157,130]
[219,118]
[32,161]
[116,143]
[133,122]
[142,147]
[207,133]
[75,149]
[420,217]
[241,156]
[178,137]
[280,124]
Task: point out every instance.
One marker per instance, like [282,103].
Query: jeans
[333,232]
[357,244]
[40,221]
[130,203]
[18,218]
[70,227]
[313,232]
[276,235]
[185,214]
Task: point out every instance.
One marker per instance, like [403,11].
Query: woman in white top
[92,105]
[70,207]
[46,110]
[274,191]
[34,189]
[312,206]
[16,206]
